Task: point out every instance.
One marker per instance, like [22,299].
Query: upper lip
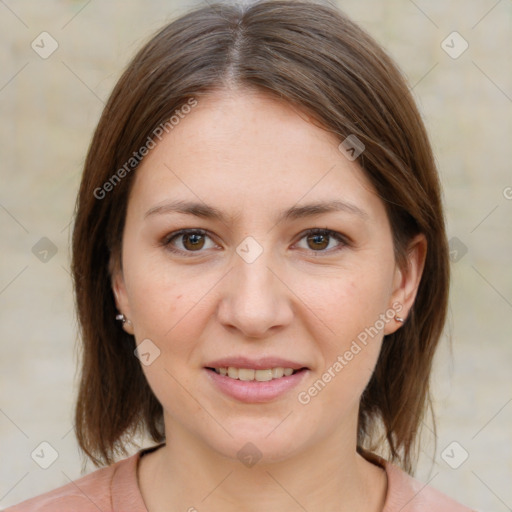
[254,364]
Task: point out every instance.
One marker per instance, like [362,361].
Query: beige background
[49,108]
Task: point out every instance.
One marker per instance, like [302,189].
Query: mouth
[251,374]
[255,380]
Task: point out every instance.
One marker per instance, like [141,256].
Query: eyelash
[166,241]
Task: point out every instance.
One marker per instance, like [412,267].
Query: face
[286,264]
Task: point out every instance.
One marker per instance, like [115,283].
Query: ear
[121,296]
[407,280]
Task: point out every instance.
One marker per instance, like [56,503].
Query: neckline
[145,451]
[125,490]
[126,493]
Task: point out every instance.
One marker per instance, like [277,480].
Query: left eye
[319,240]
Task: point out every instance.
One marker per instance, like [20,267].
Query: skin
[251,157]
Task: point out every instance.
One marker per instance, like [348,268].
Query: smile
[252,385]
[248,374]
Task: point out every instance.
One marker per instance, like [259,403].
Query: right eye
[190,240]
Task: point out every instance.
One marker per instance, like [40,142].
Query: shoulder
[406,494]
[98,490]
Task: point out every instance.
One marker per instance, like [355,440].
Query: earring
[399,319]
[123,319]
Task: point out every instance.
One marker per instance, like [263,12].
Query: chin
[256,441]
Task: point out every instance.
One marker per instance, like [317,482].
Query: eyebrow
[206,211]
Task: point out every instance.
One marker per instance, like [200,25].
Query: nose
[255,298]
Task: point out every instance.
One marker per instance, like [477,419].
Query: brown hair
[313,57]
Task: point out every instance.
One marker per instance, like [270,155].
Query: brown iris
[196,241]
[319,239]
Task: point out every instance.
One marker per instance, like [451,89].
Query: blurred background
[59,62]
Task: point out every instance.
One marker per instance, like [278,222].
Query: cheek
[344,306]
[349,331]
[172,310]
[158,294]
[165,312]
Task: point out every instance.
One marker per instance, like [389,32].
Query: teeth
[277,372]
[245,374]
[248,374]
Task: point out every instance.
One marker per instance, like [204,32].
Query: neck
[330,475]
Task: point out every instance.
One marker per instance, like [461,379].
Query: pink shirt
[115,489]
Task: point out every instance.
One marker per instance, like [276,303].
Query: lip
[254,364]
[255,391]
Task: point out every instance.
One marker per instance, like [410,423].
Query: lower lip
[253,391]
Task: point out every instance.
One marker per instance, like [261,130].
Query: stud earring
[399,319]
[123,319]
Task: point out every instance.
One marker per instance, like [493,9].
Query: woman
[261,273]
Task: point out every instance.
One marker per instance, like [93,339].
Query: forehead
[245,149]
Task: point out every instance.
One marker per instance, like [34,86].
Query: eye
[318,240]
[187,241]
